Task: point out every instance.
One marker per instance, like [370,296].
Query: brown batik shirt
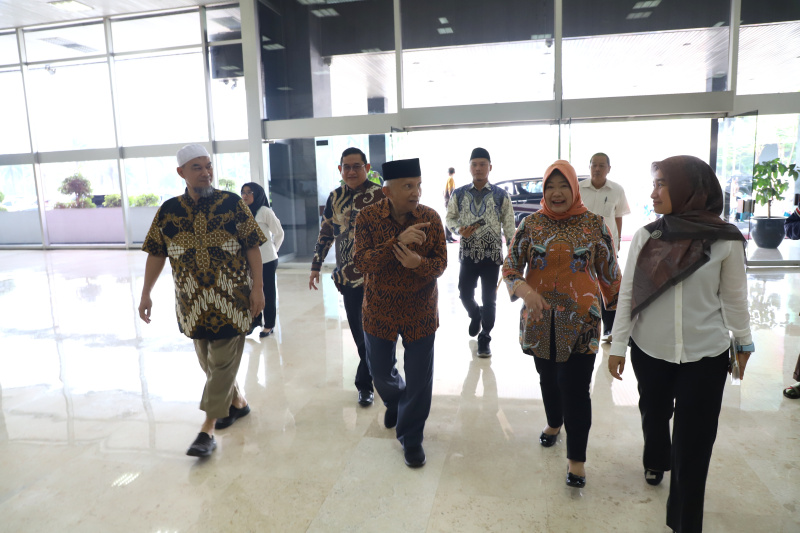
[206,242]
[339,225]
[398,299]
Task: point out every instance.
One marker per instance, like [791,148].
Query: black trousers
[693,393]
[353,299]
[487,271]
[608,318]
[565,394]
[270,296]
[412,395]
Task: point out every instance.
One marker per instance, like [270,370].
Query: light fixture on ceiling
[444,31]
[273,46]
[70,5]
[639,15]
[442,20]
[646,4]
[718,24]
[327,12]
[285,88]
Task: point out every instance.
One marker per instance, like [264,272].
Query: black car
[526,196]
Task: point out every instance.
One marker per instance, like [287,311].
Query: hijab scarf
[680,242]
[259,197]
[568,172]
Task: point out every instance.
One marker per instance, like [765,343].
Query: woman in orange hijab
[561,259]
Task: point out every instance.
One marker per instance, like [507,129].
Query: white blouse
[690,320]
[272,229]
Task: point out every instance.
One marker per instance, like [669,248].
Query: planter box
[20,227]
[102,225]
[139,221]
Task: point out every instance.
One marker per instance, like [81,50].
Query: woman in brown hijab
[683,294]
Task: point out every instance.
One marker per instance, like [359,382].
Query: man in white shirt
[603,197]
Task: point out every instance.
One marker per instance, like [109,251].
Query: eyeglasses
[348,168]
[247,193]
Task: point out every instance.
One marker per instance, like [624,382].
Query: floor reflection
[97,408]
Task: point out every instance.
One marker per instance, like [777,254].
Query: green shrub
[227,185]
[143,200]
[82,203]
[2,197]
[112,200]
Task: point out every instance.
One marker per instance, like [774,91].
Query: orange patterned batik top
[570,263]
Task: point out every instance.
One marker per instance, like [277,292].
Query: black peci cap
[402,168]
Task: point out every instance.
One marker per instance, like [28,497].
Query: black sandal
[793,392]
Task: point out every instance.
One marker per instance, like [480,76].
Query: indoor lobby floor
[97,409]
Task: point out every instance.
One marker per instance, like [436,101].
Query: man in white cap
[212,241]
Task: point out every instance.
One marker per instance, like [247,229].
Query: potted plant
[770,181]
[81,188]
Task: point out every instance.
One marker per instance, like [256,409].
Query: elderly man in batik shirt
[212,241]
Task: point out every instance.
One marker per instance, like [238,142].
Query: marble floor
[97,409]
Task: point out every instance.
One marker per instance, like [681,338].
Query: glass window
[9,54]
[19,209]
[65,42]
[631,149]
[14,138]
[148,33]
[224,23]
[80,202]
[323,60]
[70,106]
[769,61]
[162,99]
[227,92]
[232,171]
[476,53]
[626,49]
[149,182]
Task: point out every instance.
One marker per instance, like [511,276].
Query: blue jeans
[411,396]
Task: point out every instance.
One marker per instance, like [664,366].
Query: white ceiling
[18,13]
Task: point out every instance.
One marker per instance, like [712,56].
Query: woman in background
[683,293]
[256,199]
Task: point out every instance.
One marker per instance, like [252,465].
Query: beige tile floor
[97,410]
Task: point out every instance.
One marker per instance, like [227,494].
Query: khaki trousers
[220,360]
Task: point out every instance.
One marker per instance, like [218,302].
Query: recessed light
[442,20]
[443,31]
[285,89]
[327,12]
[639,15]
[70,5]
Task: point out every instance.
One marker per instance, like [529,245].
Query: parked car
[526,196]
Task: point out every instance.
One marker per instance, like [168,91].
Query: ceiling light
[285,89]
[718,24]
[370,50]
[229,67]
[310,2]
[328,12]
[443,31]
[70,5]
[645,5]
[442,20]
[273,46]
[66,43]
[639,15]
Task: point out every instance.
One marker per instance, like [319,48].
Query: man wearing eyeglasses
[339,226]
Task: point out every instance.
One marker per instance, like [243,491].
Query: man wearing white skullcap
[212,241]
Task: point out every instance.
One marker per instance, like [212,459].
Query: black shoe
[202,446]
[483,346]
[414,456]
[548,440]
[365,398]
[390,418]
[653,477]
[575,481]
[263,334]
[234,414]
[475,323]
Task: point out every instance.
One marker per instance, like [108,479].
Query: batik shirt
[398,299]
[569,263]
[206,242]
[469,205]
[339,225]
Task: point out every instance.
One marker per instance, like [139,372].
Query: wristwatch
[746,348]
